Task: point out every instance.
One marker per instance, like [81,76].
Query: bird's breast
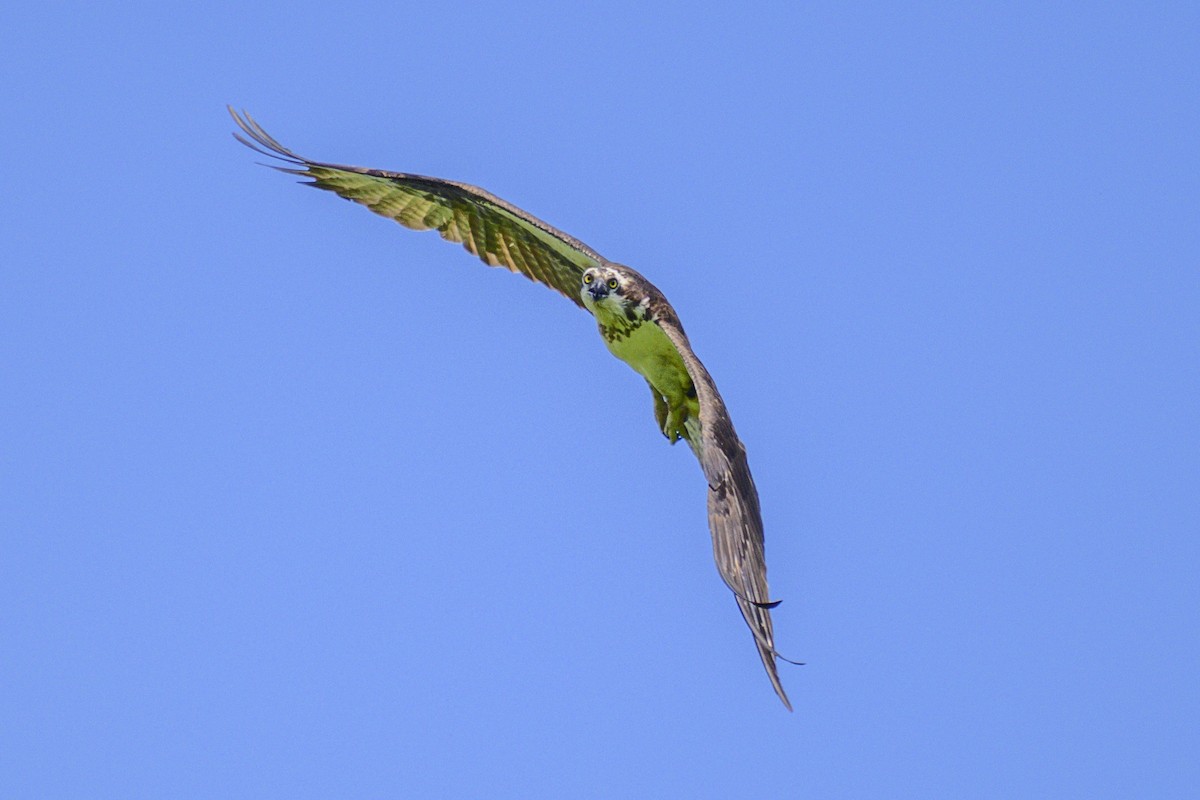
[642,345]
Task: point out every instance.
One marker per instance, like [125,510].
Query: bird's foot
[673,425]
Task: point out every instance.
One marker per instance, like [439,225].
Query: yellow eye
[612,283]
[588,279]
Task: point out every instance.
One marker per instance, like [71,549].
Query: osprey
[635,320]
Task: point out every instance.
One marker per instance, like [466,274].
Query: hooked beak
[598,291]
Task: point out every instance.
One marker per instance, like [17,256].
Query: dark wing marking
[734,518]
[499,233]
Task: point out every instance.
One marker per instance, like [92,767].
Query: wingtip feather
[259,140]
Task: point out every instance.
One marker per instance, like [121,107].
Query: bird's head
[609,290]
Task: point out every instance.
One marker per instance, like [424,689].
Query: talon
[675,421]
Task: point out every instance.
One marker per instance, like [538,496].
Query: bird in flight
[635,320]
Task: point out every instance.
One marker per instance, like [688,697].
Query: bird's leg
[661,411]
[677,415]
[671,412]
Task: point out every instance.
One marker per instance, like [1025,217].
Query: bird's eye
[612,283]
[588,278]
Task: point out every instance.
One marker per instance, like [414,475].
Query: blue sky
[297,503]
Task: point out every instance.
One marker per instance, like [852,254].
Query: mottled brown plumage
[635,320]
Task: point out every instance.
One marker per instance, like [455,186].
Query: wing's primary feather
[499,233]
[734,518]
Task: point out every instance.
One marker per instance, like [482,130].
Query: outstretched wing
[734,518]
[499,233]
